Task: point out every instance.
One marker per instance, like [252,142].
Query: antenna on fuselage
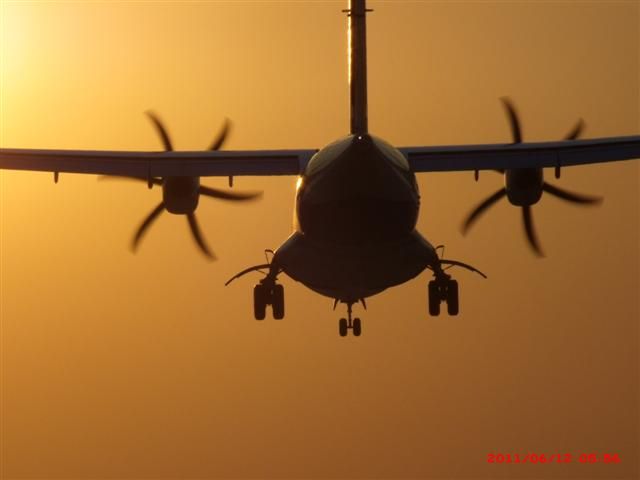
[357,50]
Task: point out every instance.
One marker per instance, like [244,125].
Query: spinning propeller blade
[571,196]
[197,236]
[514,121]
[224,195]
[481,208]
[166,141]
[222,136]
[527,218]
[577,130]
[527,215]
[146,223]
[217,143]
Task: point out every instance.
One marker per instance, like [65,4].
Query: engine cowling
[523,186]
[180,194]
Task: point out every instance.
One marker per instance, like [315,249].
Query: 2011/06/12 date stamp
[537,458]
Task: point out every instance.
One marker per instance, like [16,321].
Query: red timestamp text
[541,458]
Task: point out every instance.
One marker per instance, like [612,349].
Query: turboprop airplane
[357,200]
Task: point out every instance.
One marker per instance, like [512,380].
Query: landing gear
[434,299]
[343,327]
[277,302]
[453,304]
[259,302]
[267,292]
[346,324]
[357,327]
[443,289]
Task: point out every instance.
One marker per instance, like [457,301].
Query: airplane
[357,199]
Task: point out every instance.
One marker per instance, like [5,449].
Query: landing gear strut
[267,292]
[346,324]
[444,289]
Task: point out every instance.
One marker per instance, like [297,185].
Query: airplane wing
[293,162]
[158,164]
[522,155]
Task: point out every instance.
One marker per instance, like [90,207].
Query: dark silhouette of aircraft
[357,199]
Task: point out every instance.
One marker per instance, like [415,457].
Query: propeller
[196,233]
[527,214]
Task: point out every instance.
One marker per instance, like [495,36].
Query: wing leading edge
[293,162]
[158,164]
[522,155]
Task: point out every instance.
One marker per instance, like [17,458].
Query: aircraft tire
[342,327]
[259,302]
[357,327]
[434,299]
[453,304]
[277,302]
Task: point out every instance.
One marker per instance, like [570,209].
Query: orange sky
[117,365]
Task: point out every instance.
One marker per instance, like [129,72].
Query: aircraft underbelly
[350,273]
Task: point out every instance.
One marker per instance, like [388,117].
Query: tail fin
[358,65]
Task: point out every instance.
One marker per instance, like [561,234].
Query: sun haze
[116,365]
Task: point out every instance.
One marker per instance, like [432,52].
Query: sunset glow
[121,365]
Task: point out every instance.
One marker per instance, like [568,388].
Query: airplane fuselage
[357,205]
[357,190]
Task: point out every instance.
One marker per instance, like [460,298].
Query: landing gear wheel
[259,302]
[357,327]
[350,323]
[434,299]
[453,305]
[277,302]
[342,327]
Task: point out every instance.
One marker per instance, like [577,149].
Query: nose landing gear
[349,323]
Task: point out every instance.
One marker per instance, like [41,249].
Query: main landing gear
[267,292]
[444,289]
[346,324]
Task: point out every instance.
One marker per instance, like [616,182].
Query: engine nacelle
[523,186]
[180,194]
